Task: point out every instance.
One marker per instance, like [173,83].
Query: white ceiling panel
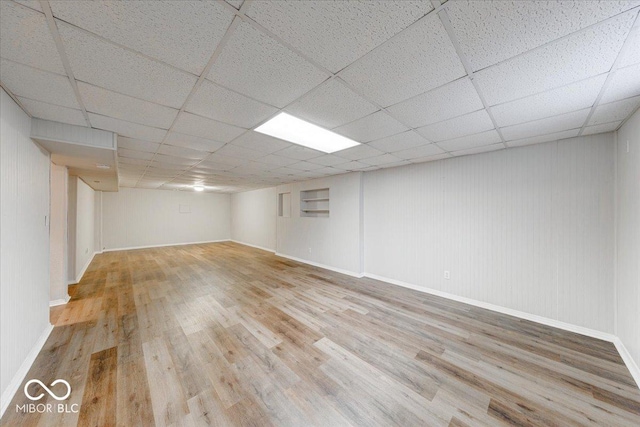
[96,61]
[132,161]
[625,83]
[240,152]
[137,144]
[54,113]
[194,142]
[42,86]
[132,130]
[452,100]
[331,105]
[327,160]
[359,152]
[614,111]
[470,141]
[278,161]
[112,104]
[305,166]
[374,126]
[472,123]
[191,124]
[221,104]
[431,158]
[187,153]
[546,126]
[183,34]
[551,103]
[351,166]
[132,154]
[418,152]
[417,60]
[257,66]
[513,27]
[383,159]
[25,38]
[171,162]
[601,128]
[544,138]
[218,159]
[260,142]
[33,4]
[585,54]
[478,150]
[400,141]
[299,152]
[632,55]
[336,33]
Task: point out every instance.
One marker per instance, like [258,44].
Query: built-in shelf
[315,203]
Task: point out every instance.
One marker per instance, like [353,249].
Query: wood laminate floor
[223,334]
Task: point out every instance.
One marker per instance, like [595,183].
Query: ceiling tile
[431,158]
[168,162]
[358,152]
[417,60]
[112,104]
[235,3]
[221,104]
[419,152]
[602,128]
[240,152]
[390,165]
[374,126]
[137,144]
[513,27]
[257,66]
[33,4]
[336,33]
[132,161]
[42,86]
[551,103]
[468,124]
[260,142]
[331,105]
[614,111]
[400,141]
[299,152]
[544,138]
[54,113]
[194,142]
[382,160]
[218,159]
[187,153]
[96,61]
[351,166]
[632,55]
[25,38]
[132,154]
[191,124]
[585,54]
[559,123]
[183,34]
[132,130]
[470,141]
[327,160]
[478,150]
[452,100]
[625,83]
[305,166]
[278,160]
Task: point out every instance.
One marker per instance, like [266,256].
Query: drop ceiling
[184,83]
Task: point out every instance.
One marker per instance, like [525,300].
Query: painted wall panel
[142,217]
[253,217]
[58,233]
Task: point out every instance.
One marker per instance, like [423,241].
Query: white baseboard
[253,246]
[628,360]
[60,301]
[14,385]
[326,267]
[130,248]
[84,270]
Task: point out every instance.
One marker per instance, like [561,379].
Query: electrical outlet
[309,250]
[447,274]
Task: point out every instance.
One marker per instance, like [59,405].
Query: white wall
[253,218]
[529,228]
[85,227]
[58,234]
[24,246]
[628,236]
[140,217]
[333,241]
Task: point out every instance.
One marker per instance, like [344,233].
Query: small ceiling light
[102,166]
[198,187]
[293,129]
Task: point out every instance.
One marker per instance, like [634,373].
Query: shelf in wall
[320,199]
[314,203]
[315,210]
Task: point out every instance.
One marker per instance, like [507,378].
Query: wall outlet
[447,274]
[309,250]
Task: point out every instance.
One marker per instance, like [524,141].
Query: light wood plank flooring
[223,334]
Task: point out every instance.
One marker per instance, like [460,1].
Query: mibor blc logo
[58,408]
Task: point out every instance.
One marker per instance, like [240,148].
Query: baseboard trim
[131,248]
[628,360]
[60,301]
[317,264]
[22,372]
[253,246]
[84,270]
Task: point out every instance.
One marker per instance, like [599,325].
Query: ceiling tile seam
[127,121]
[238,93]
[127,95]
[32,67]
[446,22]
[46,8]
[26,6]
[625,120]
[539,136]
[15,99]
[559,39]
[227,35]
[43,102]
[612,72]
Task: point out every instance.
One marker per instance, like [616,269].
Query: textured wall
[253,218]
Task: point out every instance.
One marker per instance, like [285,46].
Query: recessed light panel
[293,129]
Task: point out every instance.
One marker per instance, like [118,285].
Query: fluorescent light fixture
[293,129]
[198,187]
